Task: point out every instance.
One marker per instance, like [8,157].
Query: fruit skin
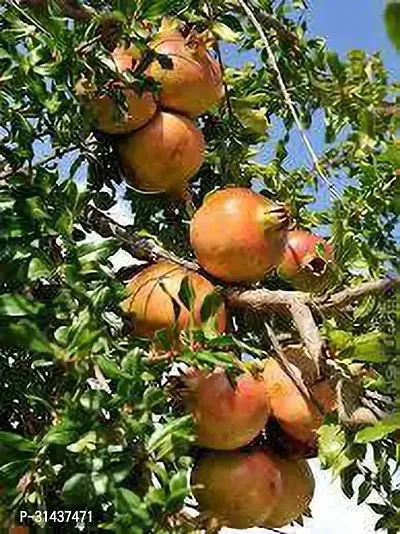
[240,489]
[306,269]
[298,416]
[151,308]
[140,109]
[298,490]
[227,417]
[194,83]
[164,155]
[238,235]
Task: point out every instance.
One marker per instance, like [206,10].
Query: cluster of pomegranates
[236,487]
[238,236]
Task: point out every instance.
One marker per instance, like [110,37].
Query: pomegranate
[227,417]
[298,490]
[298,415]
[140,108]
[150,304]
[238,235]
[194,81]
[163,156]
[303,263]
[239,489]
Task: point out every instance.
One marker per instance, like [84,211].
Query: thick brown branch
[294,303]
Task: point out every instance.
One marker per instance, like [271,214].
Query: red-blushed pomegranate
[298,415]
[150,305]
[227,417]
[194,83]
[238,235]
[306,261]
[298,490]
[113,119]
[164,155]
[239,489]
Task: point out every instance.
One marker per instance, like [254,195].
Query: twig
[70,8]
[286,96]
[349,295]
[139,247]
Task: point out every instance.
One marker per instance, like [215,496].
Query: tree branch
[142,248]
[329,303]
[297,304]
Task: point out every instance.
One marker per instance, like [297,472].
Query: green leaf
[100,482]
[59,436]
[38,269]
[153,397]
[254,119]
[16,442]
[127,502]
[347,476]
[332,451]
[121,470]
[369,348]
[364,491]
[210,306]
[13,470]
[379,430]
[186,294]
[86,443]
[28,335]
[78,489]
[91,400]
[392,21]
[110,368]
[6,201]
[15,305]
[179,490]
[92,252]
[161,442]
[225,33]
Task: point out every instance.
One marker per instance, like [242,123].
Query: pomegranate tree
[152,293]
[164,155]
[306,261]
[193,80]
[227,417]
[238,235]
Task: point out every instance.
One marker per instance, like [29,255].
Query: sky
[346,24]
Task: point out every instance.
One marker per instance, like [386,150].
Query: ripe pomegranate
[140,108]
[227,417]
[150,304]
[239,489]
[163,156]
[298,490]
[298,416]
[194,83]
[303,264]
[238,235]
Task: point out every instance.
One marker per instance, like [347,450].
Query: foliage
[86,419]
